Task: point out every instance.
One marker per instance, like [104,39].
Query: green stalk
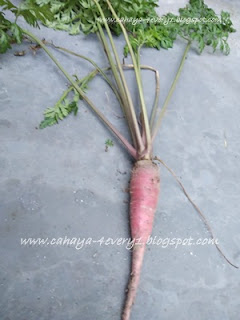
[128,146]
[157,89]
[170,93]
[107,51]
[111,62]
[141,115]
[125,103]
[132,112]
[156,100]
[144,110]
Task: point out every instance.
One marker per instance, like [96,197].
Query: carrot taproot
[144,193]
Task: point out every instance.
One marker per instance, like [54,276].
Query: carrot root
[144,192]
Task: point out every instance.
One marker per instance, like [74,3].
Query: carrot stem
[125,102]
[156,99]
[170,93]
[132,112]
[138,79]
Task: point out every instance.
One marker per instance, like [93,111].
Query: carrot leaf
[60,111]
[10,32]
[199,23]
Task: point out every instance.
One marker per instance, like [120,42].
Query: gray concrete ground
[60,182]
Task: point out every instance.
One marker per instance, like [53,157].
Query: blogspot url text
[79,243]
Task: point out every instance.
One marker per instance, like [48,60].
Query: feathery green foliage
[10,32]
[81,15]
[66,104]
[63,108]
[60,111]
[197,22]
